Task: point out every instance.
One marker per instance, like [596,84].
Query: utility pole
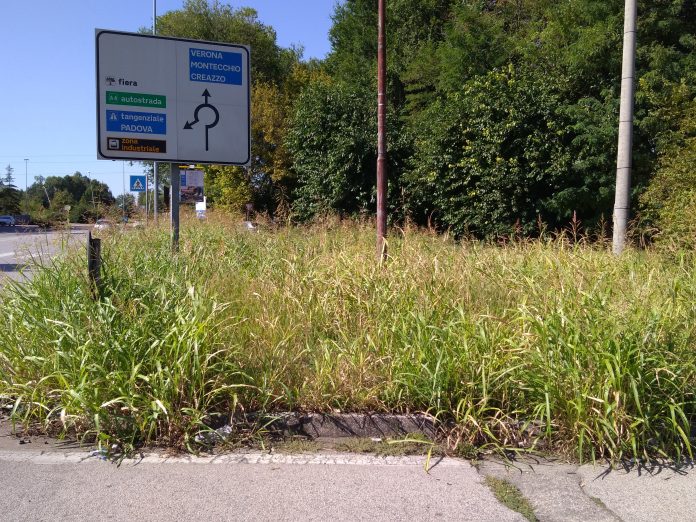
[382,134]
[155,169]
[91,189]
[624,162]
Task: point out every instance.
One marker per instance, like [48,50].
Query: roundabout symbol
[208,126]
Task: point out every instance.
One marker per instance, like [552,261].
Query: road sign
[174,100]
[192,186]
[138,183]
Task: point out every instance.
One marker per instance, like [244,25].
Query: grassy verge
[531,344]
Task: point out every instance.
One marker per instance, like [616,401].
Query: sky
[47,85]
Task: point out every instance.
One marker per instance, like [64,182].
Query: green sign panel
[136,99]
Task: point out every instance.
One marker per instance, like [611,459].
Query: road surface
[23,247]
[311,487]
[43,479]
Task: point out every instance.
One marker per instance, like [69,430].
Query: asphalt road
[49,480]
[22,248]
[254,487]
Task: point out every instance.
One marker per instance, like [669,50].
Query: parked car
[7,221]
[103,224]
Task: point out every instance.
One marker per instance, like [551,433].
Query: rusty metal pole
[382,134]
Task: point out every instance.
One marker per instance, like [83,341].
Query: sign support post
[155,189]
[147,201]
[155,177]
[174,205]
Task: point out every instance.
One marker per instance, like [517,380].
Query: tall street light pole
[622,204]
[382,133]
[26,176]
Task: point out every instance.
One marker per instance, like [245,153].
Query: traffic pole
[155,173]
[147,200]
[155,190]
[382,134]
[624,162]
[174,205]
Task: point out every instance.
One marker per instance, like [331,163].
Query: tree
[492,157]
[10,197]
[228,188]
[548,157]
[8,180]
[86,197]
[332,142]
[125,203]
[213,21]
[669,203]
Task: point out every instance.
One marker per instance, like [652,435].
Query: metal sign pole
[147,200]
[155,173]
[174,205]
[155,191]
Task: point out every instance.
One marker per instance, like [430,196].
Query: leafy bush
[492,156]
[670,200]
[333,142]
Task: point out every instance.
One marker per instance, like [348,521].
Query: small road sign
[138,183]
[173,100]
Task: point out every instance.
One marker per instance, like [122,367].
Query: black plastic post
[94,264]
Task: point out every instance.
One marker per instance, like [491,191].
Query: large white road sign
[168,99]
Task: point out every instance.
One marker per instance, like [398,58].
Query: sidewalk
[45,479]
[560,491]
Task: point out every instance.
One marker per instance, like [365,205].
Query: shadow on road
[14,267]
[22,229]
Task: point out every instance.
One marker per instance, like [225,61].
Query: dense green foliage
[493,154]
[511,107]
[503,114]
[333,136]
[547,343]
[670,201]
[217,22]
[10,197]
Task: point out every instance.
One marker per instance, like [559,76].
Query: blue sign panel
[215,66]
[137,183]
[139,122]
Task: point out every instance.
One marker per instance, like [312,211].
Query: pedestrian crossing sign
[137,183]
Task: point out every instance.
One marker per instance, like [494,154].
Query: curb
[256,458]
[341,425]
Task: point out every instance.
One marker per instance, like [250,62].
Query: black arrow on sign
[189,125]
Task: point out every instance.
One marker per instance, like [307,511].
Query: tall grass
[548,344]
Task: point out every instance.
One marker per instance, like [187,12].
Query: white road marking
[321,459]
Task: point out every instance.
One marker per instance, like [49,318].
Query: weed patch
[549,344]
[511,497]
